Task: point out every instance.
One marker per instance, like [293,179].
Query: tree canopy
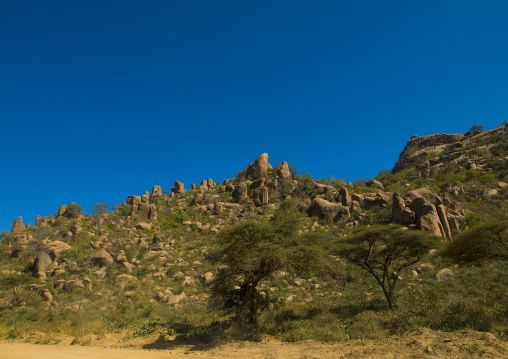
[251,251]
[384,251]
[487,241]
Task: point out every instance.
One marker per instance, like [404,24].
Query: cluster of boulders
[142,203]
[426,210]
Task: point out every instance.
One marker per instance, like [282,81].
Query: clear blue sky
[104,99]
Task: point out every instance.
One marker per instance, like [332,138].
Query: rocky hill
[146,260]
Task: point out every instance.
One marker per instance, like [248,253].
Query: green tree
[384,251]
[100,208]
[73,210]
[476,129]
[251,251]
[487,241]
[15,283]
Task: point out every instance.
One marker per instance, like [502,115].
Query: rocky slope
[152,247]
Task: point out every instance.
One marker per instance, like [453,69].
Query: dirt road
[421,344]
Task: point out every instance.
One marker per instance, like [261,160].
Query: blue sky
[104,99]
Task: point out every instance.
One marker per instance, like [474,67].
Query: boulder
[257,183]
[173,299]
[41,263]
[61,211]
[102,258]
[152,213]
[426,193]
[210,198]
[260,196]
[145,198]
[75,229]
[370,202]
[322,208]
[445,275]
[210,183]
[345,197]
[218,207]
[134,201]
[57,247]
[18,226]
[454,222]
[240,192]
[374,183]
[144,226]
[156,191]
[70,285]
[441,211]
[255,169]
[492,192]
[178,187]
[207,278]
[408,216]
[282,170]
[196,200]
[204,185]
[343,214]
[121,280]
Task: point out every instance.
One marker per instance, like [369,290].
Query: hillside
[144,268]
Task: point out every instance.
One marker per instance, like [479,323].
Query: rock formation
[260,196]
[418,148]
[178,187]
[18,226]
[156,191]
[255,169]
[282,170]
[418,209]
[240,192]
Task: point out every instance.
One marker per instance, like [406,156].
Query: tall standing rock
[152,213]
[145,198]
[261,196]
[178,187]
[345,197]
[61,210]
[255,169]
[134,201]
[282,170]
[156,191]
[18,226]
[41,264]
[240,192]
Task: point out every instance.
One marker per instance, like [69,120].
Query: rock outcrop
[178,187]
[240,192]
[418,148]
[18,226]
[41,264]
[156,191]
[260,196]
[255,169]
[61,211]
[282,170]
[418,208]
[102,258]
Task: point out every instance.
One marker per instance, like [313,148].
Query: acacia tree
[384,251]
[251,251]
[15,283]
[488,241]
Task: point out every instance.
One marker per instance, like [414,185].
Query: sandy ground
[423,344]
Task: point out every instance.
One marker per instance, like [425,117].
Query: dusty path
[422,344]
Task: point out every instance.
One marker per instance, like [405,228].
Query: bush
[73,210]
